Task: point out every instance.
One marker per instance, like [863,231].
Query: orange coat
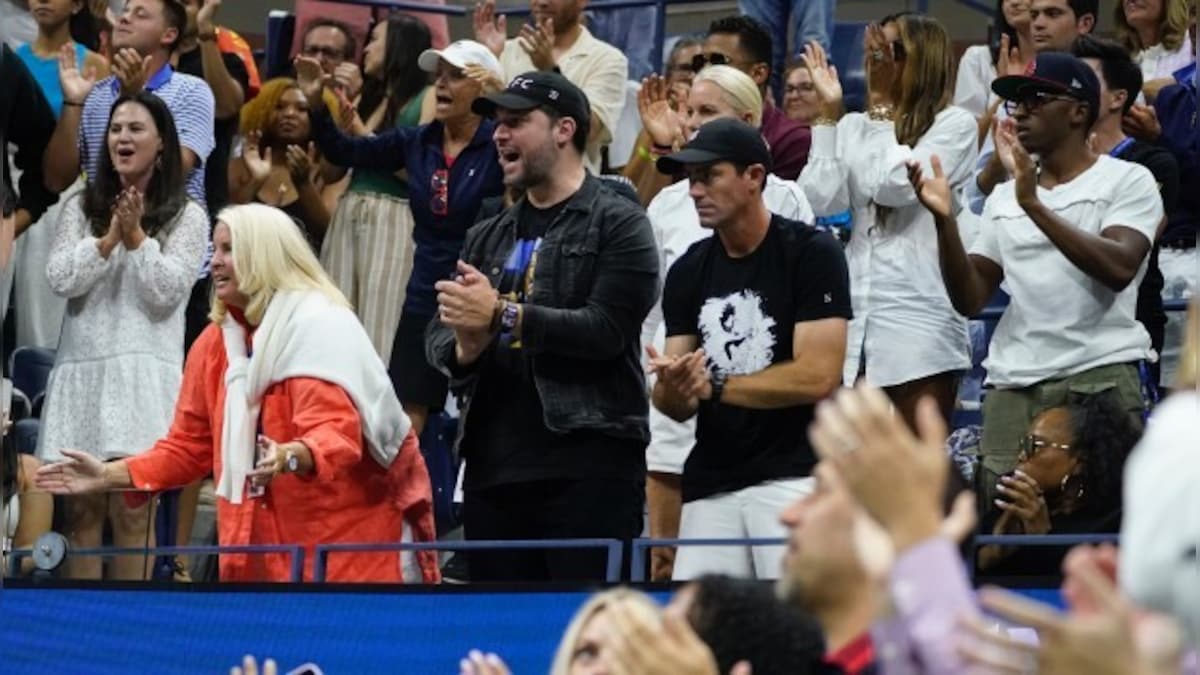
[348,498]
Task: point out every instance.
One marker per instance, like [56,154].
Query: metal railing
[637,569]
[295,552]
[612,572]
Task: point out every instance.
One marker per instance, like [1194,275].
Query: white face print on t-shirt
[737,334]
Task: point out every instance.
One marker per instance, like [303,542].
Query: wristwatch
[291,462]
[718,385]
[508,316]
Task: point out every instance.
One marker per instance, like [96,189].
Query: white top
[903,321]
[1161,476]
[11,515]
[1157,62]
[973,88]
[120,360]
[596,67]
[1060,321]
[676,226]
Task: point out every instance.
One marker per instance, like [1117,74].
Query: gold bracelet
[882,112]
[824,122]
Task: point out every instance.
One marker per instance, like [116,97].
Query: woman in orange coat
[285,400]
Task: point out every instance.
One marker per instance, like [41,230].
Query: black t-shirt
[743,312]
[505,439]
[216,168]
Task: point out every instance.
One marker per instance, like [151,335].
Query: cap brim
[674,163]
[428,60]
[485,106]
[1010,87]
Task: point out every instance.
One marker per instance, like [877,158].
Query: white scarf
[303,334]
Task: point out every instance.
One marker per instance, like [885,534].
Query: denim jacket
[595,281]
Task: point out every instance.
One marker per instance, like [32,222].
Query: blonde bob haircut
[269,254]
[598,603]
[1188,373]
[739,90]
[1172,26]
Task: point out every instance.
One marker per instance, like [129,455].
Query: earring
[158,162]
[1066,480]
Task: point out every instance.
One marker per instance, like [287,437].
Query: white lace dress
[120,361]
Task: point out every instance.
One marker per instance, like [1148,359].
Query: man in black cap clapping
[756,334]
[1069,235]
[540,330]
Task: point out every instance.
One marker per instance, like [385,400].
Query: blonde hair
[738,89]
[269,254]
[1188,374]
[1172,27]
[595,605]
[926,82]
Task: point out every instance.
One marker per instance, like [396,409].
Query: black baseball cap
[1053,73]
[537,88]
[723,140]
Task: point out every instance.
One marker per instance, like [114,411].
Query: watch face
[293,463]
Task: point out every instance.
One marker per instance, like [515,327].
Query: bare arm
[971,280]
[1112,257]
[815,371]
[62,152]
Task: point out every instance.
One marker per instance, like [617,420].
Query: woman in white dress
[1012,51]
[125,256]
[905,336]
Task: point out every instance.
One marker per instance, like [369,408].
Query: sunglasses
[699,61]
[1031,445]
[1033,101]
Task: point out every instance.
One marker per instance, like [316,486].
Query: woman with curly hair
[279,165]
[1067,481]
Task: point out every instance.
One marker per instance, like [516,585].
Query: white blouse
[973,88]
[1157,62]
[904,325]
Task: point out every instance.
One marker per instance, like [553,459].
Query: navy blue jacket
[1176,109]
[474,176]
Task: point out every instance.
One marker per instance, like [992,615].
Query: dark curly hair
[742,620]
[1103,434]
[753,37]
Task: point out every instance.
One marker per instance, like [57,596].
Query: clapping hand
[934,192]
[128,213]
[642,646]
[659,119]
[311,79]
[255,157]
[206,17]
[538,43]
[300,162]
[489,82]
[347,79]
[478,663]
[490,30]
[824,78]
[1142,123]
[131,69]
[1016,160]
[686,377]
[1021,496]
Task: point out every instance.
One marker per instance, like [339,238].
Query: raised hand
[250,667]
[489,82]
[934,192]
[490,30]
[478,663]
[538,43]
[824,77]
[300,163]
[686,376]
[206,17]
[76,85]
[131,69]
[639,645]
[347,79]
[130,208]
[1004,135]
[1009,61]
[882,73]
[1017,161]
[658,118]
[311,79]
[897,477]
[256,158]
[80,473]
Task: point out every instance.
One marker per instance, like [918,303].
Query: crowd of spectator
[353,248]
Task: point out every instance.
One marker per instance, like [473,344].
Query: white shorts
[749,513]
[1181,280]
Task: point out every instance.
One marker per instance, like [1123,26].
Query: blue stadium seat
[280,27]
[25,435]
[846,53]
[30,368]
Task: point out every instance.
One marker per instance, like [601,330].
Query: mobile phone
[253,491]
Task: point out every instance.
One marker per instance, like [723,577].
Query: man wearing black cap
[756,334]
[1069,234]
[540,330]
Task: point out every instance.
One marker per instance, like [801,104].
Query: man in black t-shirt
[540,331]
[1120,83]
[756,334]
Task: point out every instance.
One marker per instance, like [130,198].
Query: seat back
[30,368]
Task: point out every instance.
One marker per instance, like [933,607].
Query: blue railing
[612,572]
[294,551]
[637,569]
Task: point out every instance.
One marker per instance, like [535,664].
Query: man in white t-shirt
[1069,235]
[556,40]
